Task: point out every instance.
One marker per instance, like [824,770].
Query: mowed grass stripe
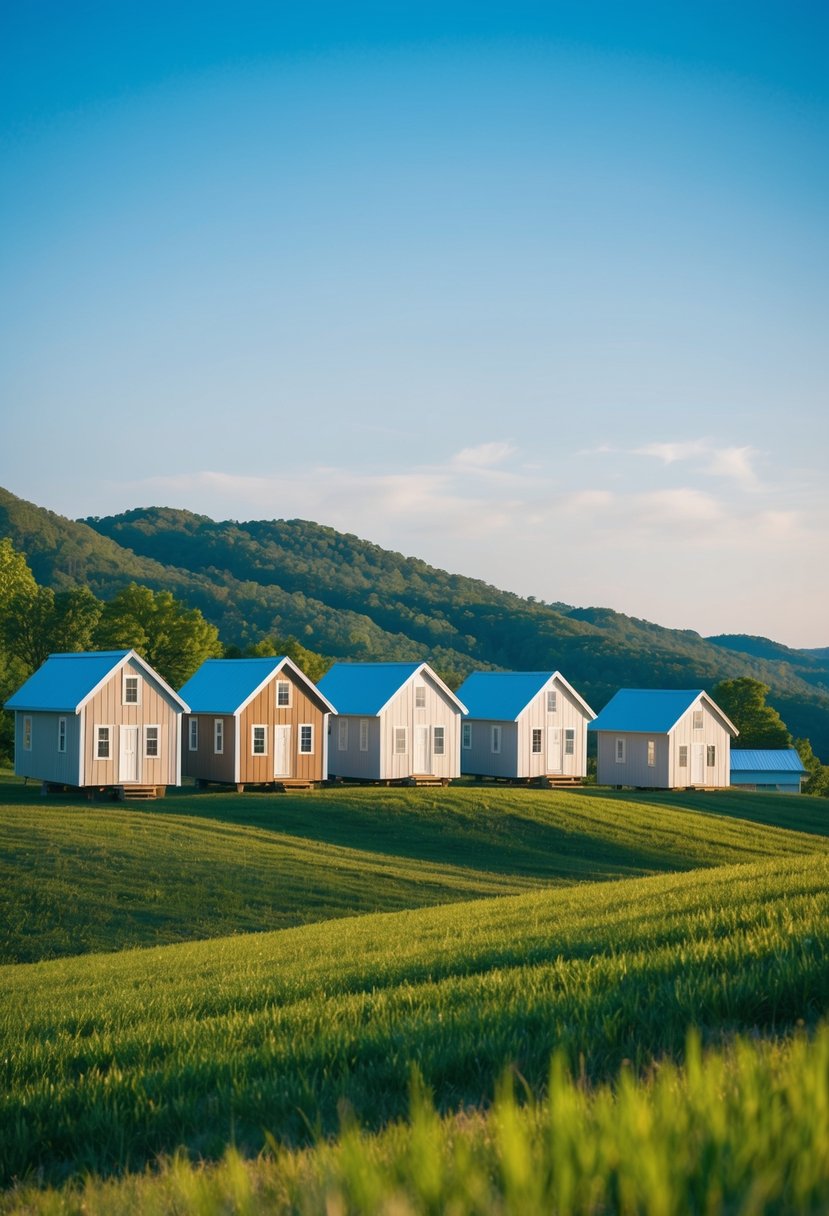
[78,877]
[108,1060]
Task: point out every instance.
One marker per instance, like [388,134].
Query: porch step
[551,781]
[125,792]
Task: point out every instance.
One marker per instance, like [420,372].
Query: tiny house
[98,719]
[395,722]
[524,725]
[663,739]
[255,722]
[774,770]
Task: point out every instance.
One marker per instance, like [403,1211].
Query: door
[422,759]
[128,754]
[282,751]
[697,764]
[553,749]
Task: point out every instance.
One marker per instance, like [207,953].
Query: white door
[128,754]
[697,764]
[282,751]
[422,762]
[553,749]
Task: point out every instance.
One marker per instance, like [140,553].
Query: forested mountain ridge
[348,598]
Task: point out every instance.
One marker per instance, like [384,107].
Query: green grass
[742,1131]
[107,1061]
[77,877]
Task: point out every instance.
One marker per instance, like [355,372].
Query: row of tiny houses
[106,719]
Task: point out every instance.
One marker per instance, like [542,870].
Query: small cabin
[777,770]
[99,719]
[524,725]
[395,722]
[255,722]
[663,739]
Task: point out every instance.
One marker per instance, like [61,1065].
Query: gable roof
[766,760]
[65,682]
[365,689]
[225,686]
[653,710]
[506,694]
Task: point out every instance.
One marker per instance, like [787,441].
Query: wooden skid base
[131,792]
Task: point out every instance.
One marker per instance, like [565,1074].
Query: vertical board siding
[203,763]
[666,774]
[363,766]
[516,758]
[263,711]
[106,708]
[44,762]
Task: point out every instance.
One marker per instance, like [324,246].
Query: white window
[259,740]
[306,740]
[27,733]
[439,745]
[495,739]
[364,734]
[342,734]
[102,738]
[61,734]
[620,751]
[697,719]
[150,742]
[400,740]
[466,735]
[569,742]
[536,748]
[132,689]
[283,694]
[552,700]
[651,753]
[193,735]
[712,755]
[420,696]
[218,736]
[683,755]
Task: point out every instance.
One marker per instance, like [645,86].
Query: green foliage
[15,576]
[817,783]
[175,640]
[744,701]
[108,1060]
[313,665]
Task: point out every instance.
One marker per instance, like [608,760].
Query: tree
[818,780]
[174,639]
[311,664]
[39,623]
[744,701]
[15,576]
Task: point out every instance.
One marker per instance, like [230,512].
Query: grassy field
[78,877]
[595,927]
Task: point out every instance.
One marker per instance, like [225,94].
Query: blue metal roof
[221,686]
[766,760]
[64,681]
[653,710]
[501,694]
[364,688]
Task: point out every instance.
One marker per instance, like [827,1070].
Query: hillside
[345,597]
[198,865]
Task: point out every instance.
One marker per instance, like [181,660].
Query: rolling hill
[345,597]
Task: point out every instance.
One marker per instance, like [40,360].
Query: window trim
[711,755]
[682,759]
[193,734]
[281,685]
[621,749]
[438,749]
[99,739]
[62,736]
[466,736]
[420,696]
[255,726]
[342,735]
[697,720]
[218,736]
[401,736]
[495,740]
[536,741]
[552,701]
[364,734]
[28,730]
[156,726]
[127,677]
[309,750]
[569,741]
[651,753]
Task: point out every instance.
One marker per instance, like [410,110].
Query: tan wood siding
[204,763]
[107,708]
[263,710]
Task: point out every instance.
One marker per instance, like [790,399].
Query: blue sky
[536,292]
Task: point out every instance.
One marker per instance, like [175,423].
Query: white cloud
[734,463]
[670,453]
[483,455]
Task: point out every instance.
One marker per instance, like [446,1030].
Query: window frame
[218,736]
[364,734]
[697,720]
[536,741]
[420,696]
[466,736]
[301,749]
[284,686]
[682,758]
[263,727]
[711,755]
[651,753]
[103,736]
[438,748]
[495,736]
[569,741]
[552,701]
[342,734]
[27,732]
[401,736]
[148,755]
[620,749]
[128,678]
[62,736]
[193,734]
